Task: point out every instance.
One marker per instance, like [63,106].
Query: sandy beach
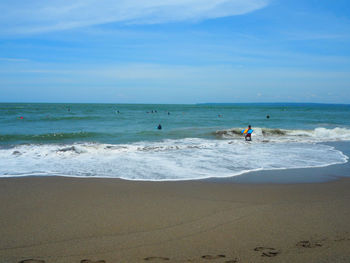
[174,131]
[57,219]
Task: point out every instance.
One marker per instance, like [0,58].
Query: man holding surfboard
[248,133]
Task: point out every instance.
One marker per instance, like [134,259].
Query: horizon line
[197,103]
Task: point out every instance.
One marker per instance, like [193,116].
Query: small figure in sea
[220,115]
[248,133]
[267,116]
[159,127]
[168,113]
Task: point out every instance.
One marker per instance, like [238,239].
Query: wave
[46,137]
[49,118]
[284,135]
[234,134]
[168,160]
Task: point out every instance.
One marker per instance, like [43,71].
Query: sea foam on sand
[181,159]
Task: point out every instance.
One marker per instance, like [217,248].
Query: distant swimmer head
[159,127]
[267,116]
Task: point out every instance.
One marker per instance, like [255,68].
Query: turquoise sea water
[196,141]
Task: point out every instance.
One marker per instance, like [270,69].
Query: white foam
[167,160]
[284,135]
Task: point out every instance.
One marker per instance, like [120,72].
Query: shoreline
[277,176]
[294,215]
[328,173]
[61,219]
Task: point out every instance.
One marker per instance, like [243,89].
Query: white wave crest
[284,135]
[167,160]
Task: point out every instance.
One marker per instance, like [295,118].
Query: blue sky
[175,51]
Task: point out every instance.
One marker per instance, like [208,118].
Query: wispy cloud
[139,82]
[315,36]
[44,16]
[139,72]
[14,60]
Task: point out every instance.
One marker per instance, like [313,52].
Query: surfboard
[247,131]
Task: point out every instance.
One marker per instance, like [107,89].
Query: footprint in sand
[213,256]
[91,261]
[32,261]
[344,237]
[267,251]
[308,244]
[338,239]
[156,258]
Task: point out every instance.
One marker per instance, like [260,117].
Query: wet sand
[57,219]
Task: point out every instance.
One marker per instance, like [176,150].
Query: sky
[175,51]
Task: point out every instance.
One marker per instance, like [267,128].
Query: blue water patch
[196,141]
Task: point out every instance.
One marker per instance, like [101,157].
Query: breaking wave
[46,137]
[168,160]
[284,135]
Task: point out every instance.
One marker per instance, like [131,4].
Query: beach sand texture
[57,219]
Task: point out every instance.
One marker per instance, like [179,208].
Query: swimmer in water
[248,135]
[159,127]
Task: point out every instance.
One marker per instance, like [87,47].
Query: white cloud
[42,16]
[140,82]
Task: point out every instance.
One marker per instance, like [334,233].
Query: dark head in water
[159,127]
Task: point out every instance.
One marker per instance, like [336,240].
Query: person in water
[248,135]
[159,127]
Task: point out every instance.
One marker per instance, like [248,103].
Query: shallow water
[196,142]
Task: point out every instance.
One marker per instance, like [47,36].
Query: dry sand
[56,219]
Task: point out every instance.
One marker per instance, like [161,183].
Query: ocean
[195,142]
